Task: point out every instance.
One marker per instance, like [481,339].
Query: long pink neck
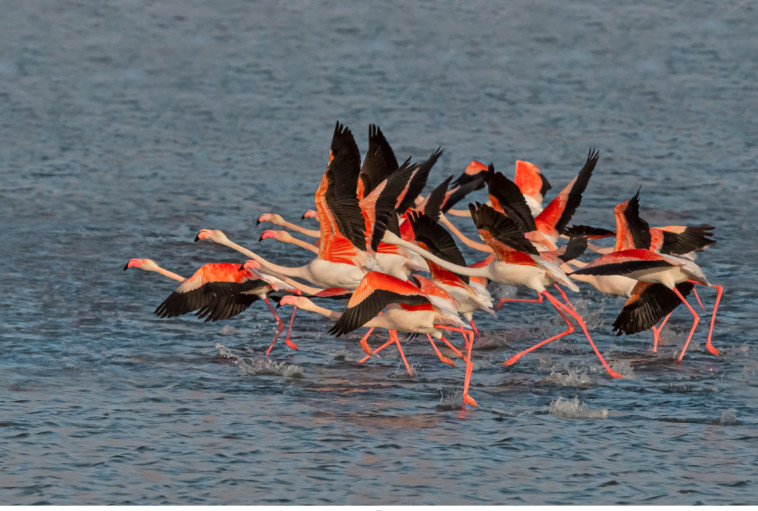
[461,270]
[300,243]
[302,230]
[482,247]
[280,272]
[168,274]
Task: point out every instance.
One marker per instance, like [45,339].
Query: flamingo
[647,266]
[216,291]
[517,263]
[434,238]
[403,306]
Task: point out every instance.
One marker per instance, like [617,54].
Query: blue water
[126,127]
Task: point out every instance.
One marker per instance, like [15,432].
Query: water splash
[574,409]
[261,365]
[624,368]
[227,330]
[728,417]
[572,379]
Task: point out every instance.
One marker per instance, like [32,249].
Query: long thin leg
[455,350]
[443,358]
[569,329]
[476,330]
[580,321]
[393,333]
[657,332]
[697,296]
[694,323]
[461,330]
[708,345]
[469,370]
[377,350]
[528,300]
[276,316]
[287,340]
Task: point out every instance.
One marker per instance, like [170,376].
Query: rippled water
[127,127]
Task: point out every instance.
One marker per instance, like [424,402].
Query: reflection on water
[129,127]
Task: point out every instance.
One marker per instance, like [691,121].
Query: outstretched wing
[374,293]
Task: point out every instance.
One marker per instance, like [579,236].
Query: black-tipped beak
[126,266]
[302,217]
[260,239]
[242,267]
[197,237]
[258,222]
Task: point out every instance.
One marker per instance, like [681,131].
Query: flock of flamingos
[377,235]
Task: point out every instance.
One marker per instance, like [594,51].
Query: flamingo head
[145,264]
[269,233]
[270,217]
[309,214]
[289,300]
[213,235]
[250,265]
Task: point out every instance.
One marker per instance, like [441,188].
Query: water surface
[127,127]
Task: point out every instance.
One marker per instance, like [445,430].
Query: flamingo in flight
[636,256]
[517,263]
[216,291]
[404,307]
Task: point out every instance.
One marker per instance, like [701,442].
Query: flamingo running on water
[216,291]
[403,306]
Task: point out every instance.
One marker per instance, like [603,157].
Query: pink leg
[469,370]
[461,330]
[569,329]
[694,323]
[580,321]
[455,350]
[708,345]
[377,350]
[697,297]
[393,333]
[364,342]
[287,340]
[528,300]
[276,316]
[476,330]
[443,358]
[657,332]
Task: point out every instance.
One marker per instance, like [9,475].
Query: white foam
[623,367]
[227,330]
[572,379]
[573,409]
[728,417]
[261,365]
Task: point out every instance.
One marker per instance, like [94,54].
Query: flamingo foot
[513,359]
[469,400]
[447,361]
[291,344]
[712,350]
[614,374]
[366,347]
